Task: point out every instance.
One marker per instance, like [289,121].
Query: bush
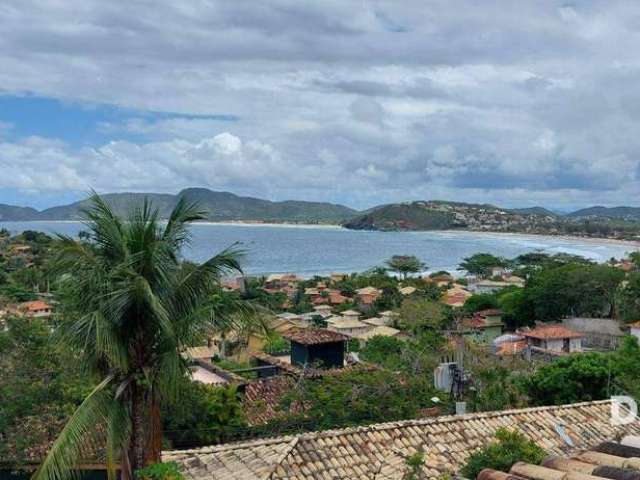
[160,471]
[510,447]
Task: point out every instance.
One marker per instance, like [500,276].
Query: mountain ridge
[221,206]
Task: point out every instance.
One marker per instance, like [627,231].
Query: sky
[356,102]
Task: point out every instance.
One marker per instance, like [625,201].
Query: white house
[553,338]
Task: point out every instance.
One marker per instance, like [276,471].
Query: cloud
[360,102]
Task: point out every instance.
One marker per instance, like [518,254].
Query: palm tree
[130,307]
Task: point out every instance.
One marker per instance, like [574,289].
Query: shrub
[160,471]
[510,447]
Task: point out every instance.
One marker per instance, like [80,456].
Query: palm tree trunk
[140,431]
[155,450]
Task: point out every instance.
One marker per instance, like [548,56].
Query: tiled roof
[35,305]
[489,312]
[313,336]
[381,330]
[634,324]
[379,451]
[262,398]
[605,460]
[548,332]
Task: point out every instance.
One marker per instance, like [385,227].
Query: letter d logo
[625,415]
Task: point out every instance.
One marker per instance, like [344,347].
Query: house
[338,277]
[376,321]
[599,333]
[36,309]
[456,297]
[336,298]
[377,331]
[634,329]
[236,284]
[366,297]
[389,317]
[380,451]
[555,339]
[323,310]
[204,353]
[351,314]
[514,280]
[488,286]
[310,346]
[406,291]
[256,341]
[484,326]
[348,326]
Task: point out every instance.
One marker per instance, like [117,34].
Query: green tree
[130,309]
[481,264]
[405,264]
[203,414]
[510,447]
[576,378]
[418,314]
[480,301]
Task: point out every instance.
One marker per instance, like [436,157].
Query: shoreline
[327,226]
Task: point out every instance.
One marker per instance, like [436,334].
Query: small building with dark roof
[313,346]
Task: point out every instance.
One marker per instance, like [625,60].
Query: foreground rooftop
[379,451]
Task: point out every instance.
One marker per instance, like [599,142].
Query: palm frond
[176,233]
[95,411]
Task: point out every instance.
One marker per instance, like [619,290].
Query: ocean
[309,250]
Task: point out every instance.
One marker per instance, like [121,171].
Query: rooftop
[550,332]
[313,336]
[379,451]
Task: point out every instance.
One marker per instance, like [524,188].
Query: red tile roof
[262,398]
[546,332]
[490,312]
[313,336]
[35,305]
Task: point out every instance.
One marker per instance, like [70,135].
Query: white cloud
[360,102]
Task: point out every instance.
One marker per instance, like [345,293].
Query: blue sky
[357,102]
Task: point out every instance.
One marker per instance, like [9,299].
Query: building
[553,339]
[311,346]
[599,333]
[488,286]
[348,326]
[380,451]
[484,326]
[456,296]
[406,291]
[366,296]
[377,331]
[36,309]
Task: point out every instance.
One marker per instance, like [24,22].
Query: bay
[309,250]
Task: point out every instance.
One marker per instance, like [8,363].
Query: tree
[577,378]
[418,314]
[481,264]
[129,310]
[510,447]
[405,264]
[480,301]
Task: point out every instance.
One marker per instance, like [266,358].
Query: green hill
[221,206]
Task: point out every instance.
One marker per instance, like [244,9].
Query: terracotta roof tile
[546,332]
[313,336]
[379,451]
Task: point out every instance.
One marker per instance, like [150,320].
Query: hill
[618,213]
[10,213]
[222,206]
[441,215]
